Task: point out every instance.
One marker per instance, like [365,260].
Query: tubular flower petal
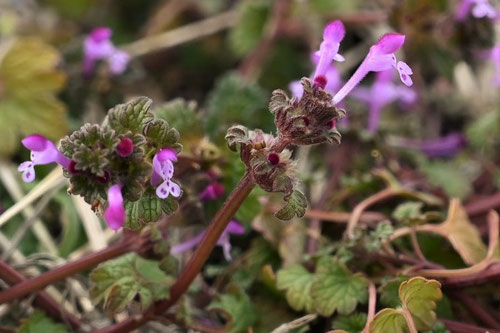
[329,48]
[115,213]
[446,146]
[233,228]
[478,8]
[43,151]
[381,57]
[163,171]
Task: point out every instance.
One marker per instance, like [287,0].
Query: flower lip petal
[163,190]
[100,34]
[167,154]
[390,43]
[404,68]
[35,142]
[334,32]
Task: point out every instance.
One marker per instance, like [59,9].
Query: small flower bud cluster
[124,168]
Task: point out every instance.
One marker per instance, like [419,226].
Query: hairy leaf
[296,204]
[297,281]
[117,282]
[389,320]
[336,288]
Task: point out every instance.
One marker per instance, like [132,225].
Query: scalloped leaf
[39,322]
[117,282]
[297,282]
[131,116]
[336,288]
[296,205]
[237,309]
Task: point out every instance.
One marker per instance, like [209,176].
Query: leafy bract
[29,82]
[297,281]
[237,309]
[39,322]
[296,204]
[117,282]
[336,288]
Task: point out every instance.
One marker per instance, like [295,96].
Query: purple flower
[446,146]
[494,56]
[479,9]
[380,58]
[163,171]
[115,213]
[382,92]
[212,192]
[43,151]
[98,46]
[233,228]
[329,48]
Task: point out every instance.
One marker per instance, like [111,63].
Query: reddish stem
[60,273]
[457,327]
[42,300]
[212,234]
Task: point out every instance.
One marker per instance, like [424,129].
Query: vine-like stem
[60,273]
[194,266]
[43,300]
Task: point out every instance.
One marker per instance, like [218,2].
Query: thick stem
[212,234]
[26,287]
[42,300]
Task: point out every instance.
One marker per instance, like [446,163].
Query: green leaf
[419,296]
[253,15]
[389,320]
[118,282]
[389,292]
[439,327]
[454,177]
[132,116]
[296,205]
[183,116]
[374,241]
[39,322]
[237,309]
[297,281]
[28,104]
[353,323]
[336,288]
[408,210]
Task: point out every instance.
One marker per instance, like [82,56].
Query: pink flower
[382,93]
[479,9]
[43,151]
[446,146]
[233,228]
[329,48]
[98,46]
[381,57]
[115,213]
[163,171]
[494,56]
[212,192]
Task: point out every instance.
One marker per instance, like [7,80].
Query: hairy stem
[26,287]
[194,266]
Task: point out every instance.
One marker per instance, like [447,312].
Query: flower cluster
[98,46]
[110,165]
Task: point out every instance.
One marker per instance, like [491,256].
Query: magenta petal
[28,170]
[167,154]
[175,189]
[115,213]
[296,89]
[235,228]
[35,142]
[118,62]
[163,190]
[101,33]
[334,32]
[390,43]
